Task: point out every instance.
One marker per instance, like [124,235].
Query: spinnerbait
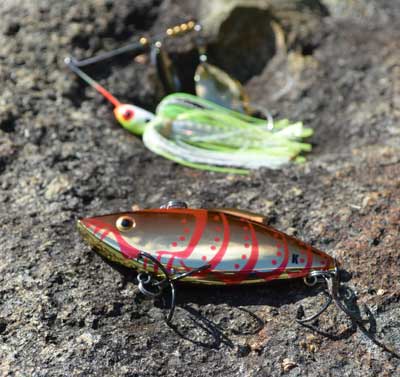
[210,82]
[213,247]
[199,133]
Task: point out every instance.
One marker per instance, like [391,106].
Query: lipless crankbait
[216,246]
[212,247]
[229,246]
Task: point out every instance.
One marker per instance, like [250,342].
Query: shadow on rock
[208,316]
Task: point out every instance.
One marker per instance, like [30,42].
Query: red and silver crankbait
[211,246]
[215,246]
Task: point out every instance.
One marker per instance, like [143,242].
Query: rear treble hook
[333,283]
[312,279]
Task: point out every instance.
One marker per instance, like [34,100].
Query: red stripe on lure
[237,248]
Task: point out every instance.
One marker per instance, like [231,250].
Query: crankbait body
[228,246]
[215,247]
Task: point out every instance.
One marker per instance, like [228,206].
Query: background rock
[64,312]
[237,28]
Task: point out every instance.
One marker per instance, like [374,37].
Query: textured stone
[237,28]
[65,312]
[57,186]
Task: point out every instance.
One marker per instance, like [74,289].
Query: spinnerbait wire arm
[139,45]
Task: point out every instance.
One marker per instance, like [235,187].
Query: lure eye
[125,223]
[128,114]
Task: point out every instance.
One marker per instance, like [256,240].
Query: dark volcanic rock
[64,312]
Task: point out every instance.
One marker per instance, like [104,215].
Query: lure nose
[83,227]
[97,236]
[88,230]
[82,224]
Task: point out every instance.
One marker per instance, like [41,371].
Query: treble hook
[152,287]
[316,277]
[333,287]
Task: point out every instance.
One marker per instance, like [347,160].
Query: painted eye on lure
[125,223]
[128,114]
[132,117]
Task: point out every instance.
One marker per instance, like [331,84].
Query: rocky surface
[64,312]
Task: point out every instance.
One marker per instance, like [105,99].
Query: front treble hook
[151,287]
